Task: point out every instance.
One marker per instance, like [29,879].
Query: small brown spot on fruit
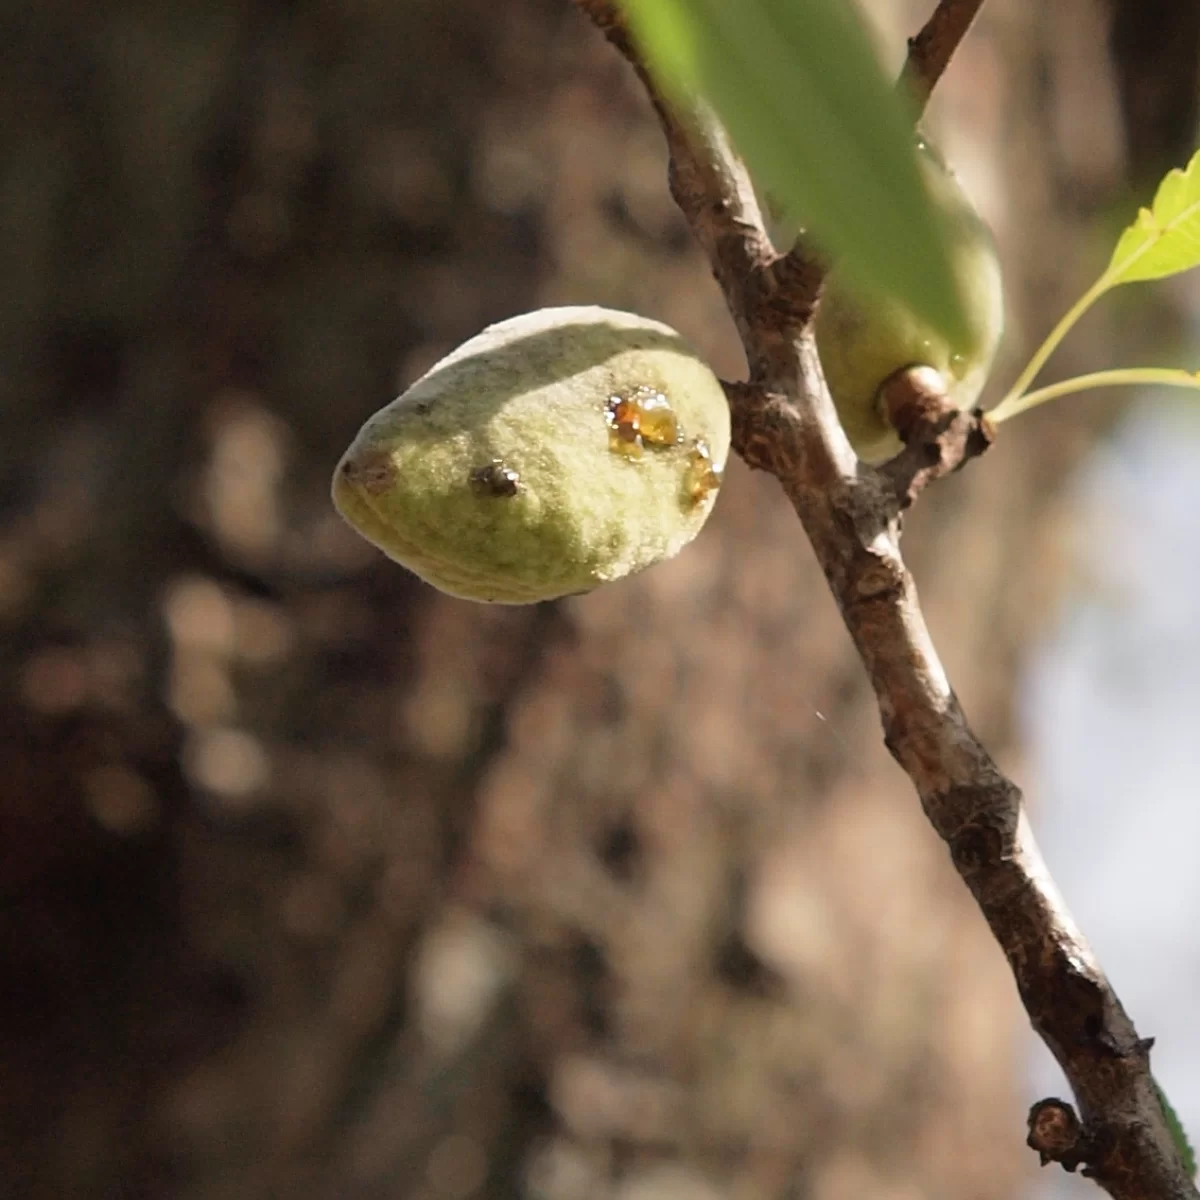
[371,470]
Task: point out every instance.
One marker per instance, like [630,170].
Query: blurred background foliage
[317,883]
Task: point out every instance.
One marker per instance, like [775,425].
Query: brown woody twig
[784,422]
[930,52]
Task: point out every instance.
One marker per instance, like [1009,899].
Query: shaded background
[317,883]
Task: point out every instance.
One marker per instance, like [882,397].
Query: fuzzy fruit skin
[861,342]
[495,478]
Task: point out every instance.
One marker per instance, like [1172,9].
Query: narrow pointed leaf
[804,98]
[1165,238]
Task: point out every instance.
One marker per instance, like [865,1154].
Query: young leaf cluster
[1163,240]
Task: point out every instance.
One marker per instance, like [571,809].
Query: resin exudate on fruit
[550,453]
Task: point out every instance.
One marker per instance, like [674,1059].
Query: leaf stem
[1013,397]
[1155,376]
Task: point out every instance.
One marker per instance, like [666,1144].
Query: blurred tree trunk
[319,884]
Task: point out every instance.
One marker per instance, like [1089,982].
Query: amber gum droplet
[644,417]
[702,477]
[624,426]
[658,423]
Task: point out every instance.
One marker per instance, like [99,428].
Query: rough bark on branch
[785,423]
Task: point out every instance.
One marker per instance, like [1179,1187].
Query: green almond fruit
[551,453]
[863,341]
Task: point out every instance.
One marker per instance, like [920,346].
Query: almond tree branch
[707,180]
[930,52]
[785,422]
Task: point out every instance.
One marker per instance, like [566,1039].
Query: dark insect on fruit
[495,479]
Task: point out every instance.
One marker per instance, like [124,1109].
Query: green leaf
[1016,403]
[798,87]
[1178,1134]
[1165,238]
